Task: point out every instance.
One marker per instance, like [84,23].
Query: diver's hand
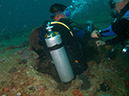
[100,42]
[94,34]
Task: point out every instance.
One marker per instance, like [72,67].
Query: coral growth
[34,39]
[86,82]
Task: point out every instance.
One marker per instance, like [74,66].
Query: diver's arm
[121,26]
[103,33]
[120,29]
[113,37]
[106,32]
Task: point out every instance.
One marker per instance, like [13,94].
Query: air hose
[57,22]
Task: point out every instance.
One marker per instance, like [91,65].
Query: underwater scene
[36,61]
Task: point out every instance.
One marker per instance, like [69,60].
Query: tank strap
[57,46]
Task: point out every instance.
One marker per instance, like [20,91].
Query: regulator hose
[57,22]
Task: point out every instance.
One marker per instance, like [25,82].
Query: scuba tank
[58,53]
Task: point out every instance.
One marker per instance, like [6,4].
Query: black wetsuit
[72,45]
[119,30]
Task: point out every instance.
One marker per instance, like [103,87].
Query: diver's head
[116,6]
[58,12]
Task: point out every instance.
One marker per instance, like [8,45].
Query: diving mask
[66,13]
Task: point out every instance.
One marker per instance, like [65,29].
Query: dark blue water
[22,15]
[18,15]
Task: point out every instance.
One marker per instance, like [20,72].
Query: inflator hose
[56,22]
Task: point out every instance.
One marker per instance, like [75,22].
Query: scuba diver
[118,31]
[73,39]
[60,13]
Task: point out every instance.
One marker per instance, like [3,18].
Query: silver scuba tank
[58,53]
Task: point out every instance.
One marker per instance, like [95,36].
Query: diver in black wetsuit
[73,39]
[118,30]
